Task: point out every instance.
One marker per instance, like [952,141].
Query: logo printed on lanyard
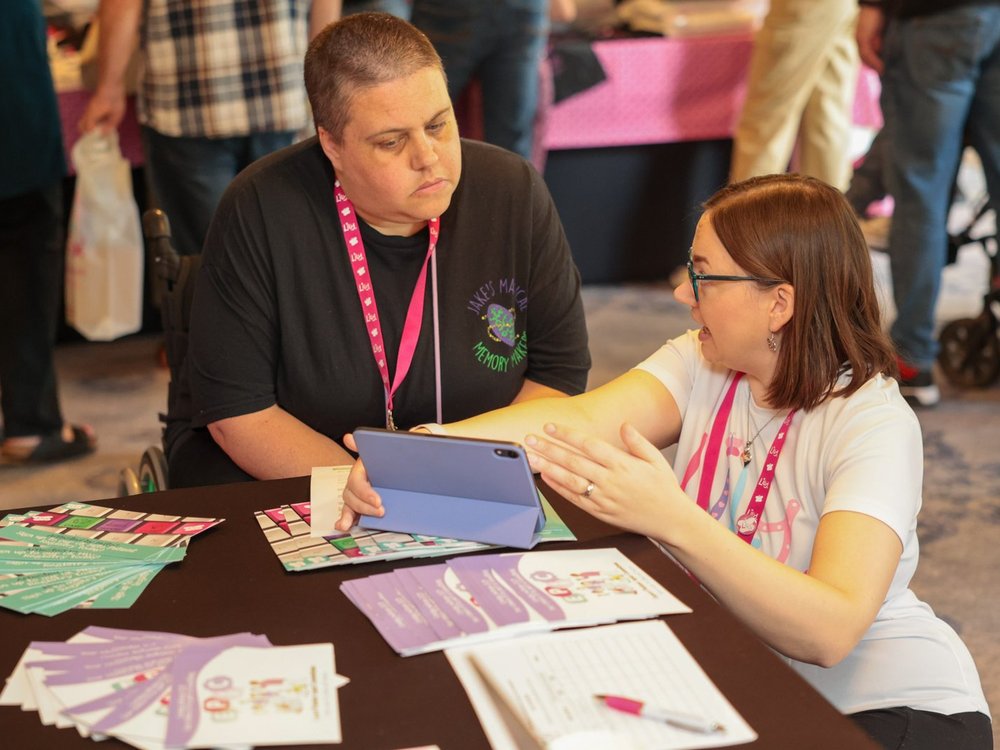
[747,523]
[369,307]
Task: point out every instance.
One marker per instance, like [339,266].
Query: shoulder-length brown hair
[358,52]
[803,231]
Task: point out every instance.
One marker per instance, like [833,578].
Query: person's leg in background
[983,125]
[790,54]
[509,75]
[400,8]
[454,27]
[546,98]
[31,259]
[825,132]
[928,94]
[501,44]
[30,286]
[259,145]
[187,176]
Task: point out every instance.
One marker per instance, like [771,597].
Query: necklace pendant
[389,423]
[745,455]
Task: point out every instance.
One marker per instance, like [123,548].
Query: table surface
[668,90]
[231,581]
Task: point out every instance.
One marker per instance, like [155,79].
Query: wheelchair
[173,290]
[969,353]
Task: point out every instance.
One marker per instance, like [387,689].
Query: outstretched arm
[817,616]
[118,30]
[636,396]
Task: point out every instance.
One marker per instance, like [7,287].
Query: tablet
[463,488]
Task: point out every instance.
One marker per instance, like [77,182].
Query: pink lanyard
[746,524]
[366,294]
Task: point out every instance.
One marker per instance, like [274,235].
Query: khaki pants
[801,86]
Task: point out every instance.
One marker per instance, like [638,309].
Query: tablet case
[463,488]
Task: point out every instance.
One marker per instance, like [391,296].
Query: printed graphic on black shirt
[497,303]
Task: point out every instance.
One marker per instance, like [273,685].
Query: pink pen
[673,718]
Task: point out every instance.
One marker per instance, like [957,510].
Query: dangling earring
[772,343]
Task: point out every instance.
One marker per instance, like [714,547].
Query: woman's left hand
[634,488]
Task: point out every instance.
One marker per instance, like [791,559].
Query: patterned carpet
[118,388]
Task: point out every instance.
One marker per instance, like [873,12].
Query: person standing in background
[501,43]
[803,75]
[32,166]
[221,87]
[940,63]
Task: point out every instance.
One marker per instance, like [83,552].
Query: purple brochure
[465,618]
[506,568]
[497,601]
[392,613]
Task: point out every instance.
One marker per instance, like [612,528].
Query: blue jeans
[501,43]
[187,177]
[942,80]
[400,8]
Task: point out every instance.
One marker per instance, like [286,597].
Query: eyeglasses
[696,277]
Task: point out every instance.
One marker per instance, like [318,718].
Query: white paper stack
[78,555]
[540,691]
[163,690]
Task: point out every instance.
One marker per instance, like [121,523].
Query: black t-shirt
[277,320]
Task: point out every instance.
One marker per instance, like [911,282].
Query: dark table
[231,581]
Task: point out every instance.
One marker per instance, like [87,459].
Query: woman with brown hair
[803,461]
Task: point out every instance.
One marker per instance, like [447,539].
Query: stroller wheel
[128,482]
[970,351]
[152,470]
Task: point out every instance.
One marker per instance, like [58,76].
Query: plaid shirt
[218,68]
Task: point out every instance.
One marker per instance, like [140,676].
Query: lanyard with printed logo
[366,294]
[749,521]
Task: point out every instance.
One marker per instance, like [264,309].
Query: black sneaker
[918,386]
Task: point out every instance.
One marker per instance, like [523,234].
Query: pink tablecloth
[664,90]
[71,107]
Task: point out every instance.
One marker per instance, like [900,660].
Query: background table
[231,581]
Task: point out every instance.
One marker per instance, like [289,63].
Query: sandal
[52,448]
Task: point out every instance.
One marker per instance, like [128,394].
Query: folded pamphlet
[485,597]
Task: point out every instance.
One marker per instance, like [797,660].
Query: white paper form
[548,681]
[326,494]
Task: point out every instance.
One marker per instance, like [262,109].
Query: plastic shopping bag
[104,250]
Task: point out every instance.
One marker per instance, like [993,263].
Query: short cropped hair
[358,52]
[803,231]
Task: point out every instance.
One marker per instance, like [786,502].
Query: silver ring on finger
[589,490]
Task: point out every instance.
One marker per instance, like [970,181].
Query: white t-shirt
[863,453]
